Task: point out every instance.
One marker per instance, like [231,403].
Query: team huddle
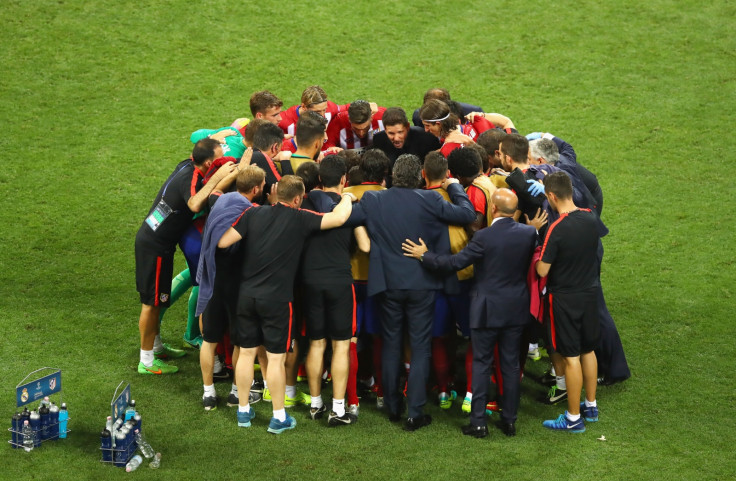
[341,242]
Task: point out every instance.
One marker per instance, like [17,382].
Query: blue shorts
[366,315]
[452,308]
[191,245]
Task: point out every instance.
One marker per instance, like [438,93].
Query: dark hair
[331,170]
[266,135]
[310,127]
[359,112]
[407,171]
[490,139]
[558,183]
[435,166]
[309,173]
[355,176]
[350,157]
[435,109]
[252,127]
[289,187]
[262,101]
[394,116]
[204,150]
[517,147]
[250,176]
[484,161]
[374,164]
[464,163]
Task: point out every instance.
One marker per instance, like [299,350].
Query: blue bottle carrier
[119,456]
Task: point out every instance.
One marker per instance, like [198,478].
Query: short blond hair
[250,176]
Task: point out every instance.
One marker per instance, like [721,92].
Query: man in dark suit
[405,291]
[499,306]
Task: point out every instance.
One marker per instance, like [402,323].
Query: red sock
[228,349]
[352,388]
[377,365]
[440,364]
[497,369]
[469,368]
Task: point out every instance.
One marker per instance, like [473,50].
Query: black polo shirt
[326,255]
[273,237]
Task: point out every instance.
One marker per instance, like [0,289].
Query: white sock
[280,414]
[591,404]
[469,396]
[338,406]
[158,346]
[572,417]
[234,389]
[147,358]
[552,371]
[407,366]
[290,391]
[561,384]
[244,409]
[265,384]
[209,390]
[218,365]
[317,402]
[533,346]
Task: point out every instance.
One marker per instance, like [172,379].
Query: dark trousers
[484,340]
[413,309]
[610,353]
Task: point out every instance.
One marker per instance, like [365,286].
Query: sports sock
[234,389]
[218,365]
[352,387]
[265,384]
[469,396]
[147,358]
[338,406]
[158,346]
[209,391]
[561,384]
[591,404]
[439,362]
[245,409]
[572,417]
[533,346]
[192,331]
[280,414]
[469,368]
[317,402]
[290,391]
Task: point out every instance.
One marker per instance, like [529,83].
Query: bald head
[505,203]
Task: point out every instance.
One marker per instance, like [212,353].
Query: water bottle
[106,445]
[44,403]
[156,462]
[143,445]
[137,419]
[17,431]
[36,428]
[108,424]
[134,463]
[27,436]
[63,417]
[130,410]
[43,412]
[54,422]
[119,454]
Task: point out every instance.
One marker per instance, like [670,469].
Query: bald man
[499,308]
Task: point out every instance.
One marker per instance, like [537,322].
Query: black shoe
[412,424]
[221,375]
[606,381]
[509,429]
[475,431]
[554,396]
[394,418]
[334,420]
[548,379]
[257,386]
[317,413]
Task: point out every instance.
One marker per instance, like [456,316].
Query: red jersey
[291,115]
[472,130]
[217,164]
[340,133]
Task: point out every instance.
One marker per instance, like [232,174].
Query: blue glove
[535,188]
[534,136]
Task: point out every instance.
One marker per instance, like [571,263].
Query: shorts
[367,319]
[154,268]
[572,322]
[191,245]
[263,322]
[452,311]
[330,311]
[221,310]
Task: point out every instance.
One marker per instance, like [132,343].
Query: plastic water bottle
[119,454]
[63,417]
[36,428]
[115,429]
[106,445]
[137,419]
[156,462]
[44,403]
[27,436]
[143,445]
[134,463]
[54,422]
[130,410]
[108,424]
[17,431]
[43,412]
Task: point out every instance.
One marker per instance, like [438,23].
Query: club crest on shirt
[164,297]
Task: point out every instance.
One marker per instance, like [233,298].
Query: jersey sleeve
[551,244]
[478,199]
[311,221]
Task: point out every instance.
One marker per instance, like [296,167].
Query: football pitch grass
[97,101]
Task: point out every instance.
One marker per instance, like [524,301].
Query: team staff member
[499,307]
[274,236]
[218,275]
[569,258]
[169,217]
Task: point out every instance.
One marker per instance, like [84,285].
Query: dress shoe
[509,429]
[394,418]
[475,431]
[412,424]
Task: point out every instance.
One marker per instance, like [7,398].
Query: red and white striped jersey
[291,115]
[340,132]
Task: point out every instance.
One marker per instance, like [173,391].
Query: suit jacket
[500,255]
[396,214]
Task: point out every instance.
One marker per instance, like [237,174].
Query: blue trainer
[278,427]
[244,418]
[589,413]
[564,424]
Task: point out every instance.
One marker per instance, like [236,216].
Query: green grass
[97,102]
